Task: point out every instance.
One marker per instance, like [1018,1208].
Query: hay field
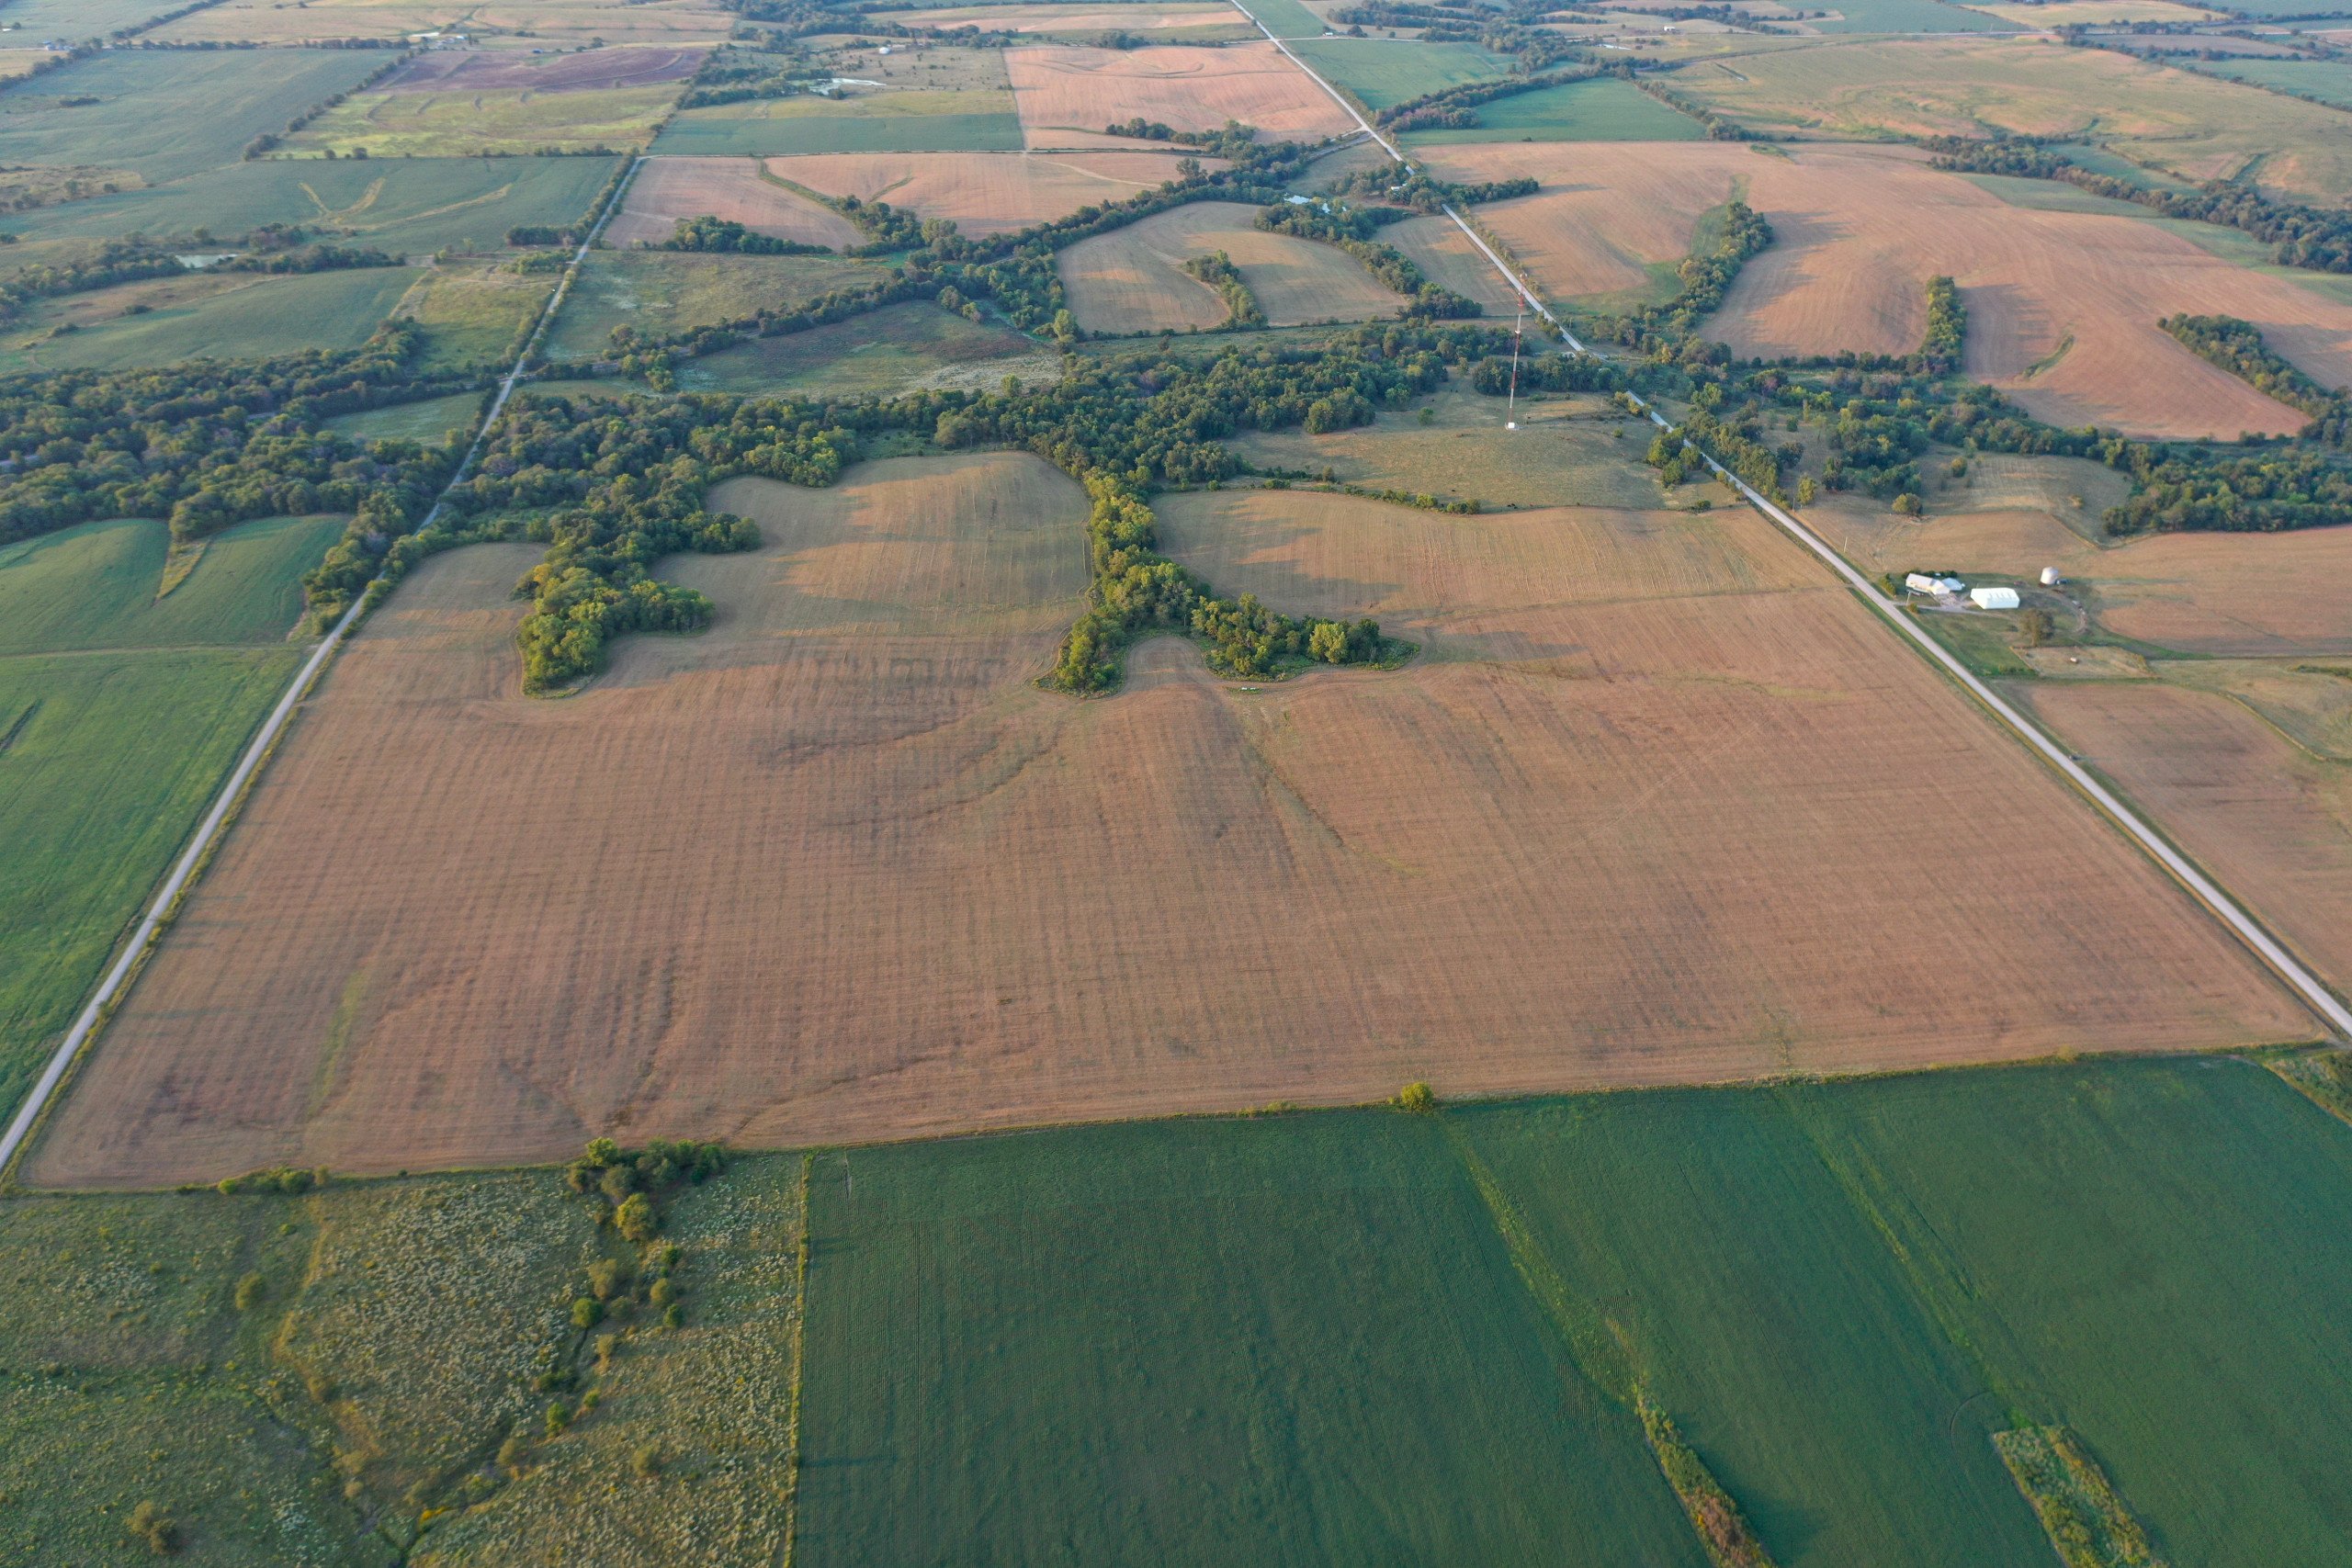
[667,189]
[2270,820]
[1135,17]
[663,292]
[1628,820]
[1132,279]
[1381,72]
[915,347]
[228,316]
[986,193]
[1447,259]
[2063,306]
[2194,126]
[459,71]
[2053,14]
[496,24]
[457,122]
[955,120]
[1066,89]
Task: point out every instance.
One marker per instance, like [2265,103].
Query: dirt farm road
[2249,930]
[209,830]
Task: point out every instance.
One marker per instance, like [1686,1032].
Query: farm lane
[207,831]
[2315,992]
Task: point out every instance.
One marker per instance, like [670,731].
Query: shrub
[607,1277]
[513,1451]
[646,1463]
[1415,1098]
[635,1218]
[158,1529]
[250,1291]
[559,1419]
[587,1312]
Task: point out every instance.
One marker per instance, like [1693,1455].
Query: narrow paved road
[2250,930]
[209,830]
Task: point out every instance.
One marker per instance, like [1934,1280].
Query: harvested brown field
[505,25]
[1133,279]
[1447,259]
[459,71]
[667,189]
[2063,306]
[986,193]
[2269,820]
[1135,16]
[836,870]
[1067,88]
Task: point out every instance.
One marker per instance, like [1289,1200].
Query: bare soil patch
[2271,822]
[649,65]
[2063,306]
[1132,279]
[986,193]
[1062,89]
[667,189]
[1647,811]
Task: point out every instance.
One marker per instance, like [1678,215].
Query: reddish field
[2063,306]
[1072,89]
[667,189]
[443,71]
[2269,820]
[986,193]
[1649,809]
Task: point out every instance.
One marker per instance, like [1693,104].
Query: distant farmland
[1570,846]
[663,292]
[985,193]
[455,121]
[1189,89]
[1132,279]
[667,189]
[256,317]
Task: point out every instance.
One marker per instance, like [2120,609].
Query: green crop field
[407,207]
[1280,1341]
[2329,81]
[474,315]
[1287,18]
[262,316]
[886,351]
[1381,71]
[1601,109]
[462,124]
[121,714]
[166,113]
[969,122]
[660,292]
[431,420]
[1905,16]
[74,20]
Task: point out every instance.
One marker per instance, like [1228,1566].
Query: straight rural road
[209,830]
[2250,930]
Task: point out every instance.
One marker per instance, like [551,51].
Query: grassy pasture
[1382,72]
[2045,15]
[1598,110]
[2330,81]
[492,24]
[660,292]
[121,713]
[980,120]
[74,20]
[471,315]
[403,206]
[261,315]
[429,421]
[1903,17]
[909,345]
[1287,18]
[1284,1341]
[462,124]
[168,113]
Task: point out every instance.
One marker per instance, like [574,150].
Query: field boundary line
[2306,984]
[209,830]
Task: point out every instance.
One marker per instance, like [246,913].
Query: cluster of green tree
[262,145]
[736,75]
[2302,236]
[1402,185]
[208,444]
[1495,376]
[319,257]
[1329,482]
[116,261]
[1665,330]
[1455,108]
[2238,348]
[1216,270]
[1405,14]
[1947,334]
[1221,143]
[724,235]
[1718,127]
[1350,229]
[1531,47]
[1737,443]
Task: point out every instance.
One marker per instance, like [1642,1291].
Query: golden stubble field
[1657,804]
[1132,279]
[1062,89]
[986,193]
[2063,306]
[666,189]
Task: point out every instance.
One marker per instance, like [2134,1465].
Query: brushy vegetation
[1216,270]
[2238,348]
[2072,1496]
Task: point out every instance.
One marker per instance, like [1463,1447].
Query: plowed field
[2269,820]
[1658,803]
[1065,89]
[2063,306]
[1132,279]
[986,193]
[667,189]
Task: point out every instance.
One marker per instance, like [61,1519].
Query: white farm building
[1995,598]
[1938,582]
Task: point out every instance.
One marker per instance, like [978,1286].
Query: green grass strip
[800,1359]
